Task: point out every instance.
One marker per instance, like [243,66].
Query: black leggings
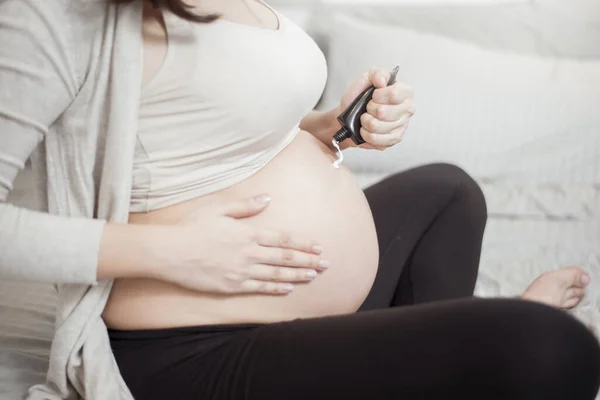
[420,334]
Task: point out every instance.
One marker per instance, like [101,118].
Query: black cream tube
[349,119]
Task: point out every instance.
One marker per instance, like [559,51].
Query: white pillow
[423,2]
[298,14]
[501,116]
[554,28]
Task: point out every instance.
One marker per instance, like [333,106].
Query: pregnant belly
[309,198]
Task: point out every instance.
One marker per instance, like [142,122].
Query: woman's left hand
[388,113]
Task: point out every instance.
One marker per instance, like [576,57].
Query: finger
[263,272]
[394,94]
[288,258]
[247,208]
[369,146]
[378,77]
[383,140]
[374,125]
[391,113]
[288,241]
[274,288]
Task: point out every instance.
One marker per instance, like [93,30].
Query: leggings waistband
[118,334]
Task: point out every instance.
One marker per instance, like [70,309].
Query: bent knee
[457,181]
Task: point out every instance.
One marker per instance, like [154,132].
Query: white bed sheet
[26,328]
[515,251]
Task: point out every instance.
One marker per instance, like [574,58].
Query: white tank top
[228,98]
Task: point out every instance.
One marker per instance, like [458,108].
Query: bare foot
[563,288]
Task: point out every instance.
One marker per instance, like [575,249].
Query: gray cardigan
[70,76]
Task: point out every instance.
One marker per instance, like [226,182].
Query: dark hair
[179,8]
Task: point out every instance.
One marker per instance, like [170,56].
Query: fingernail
[311,274]
[317,248]
[585,279]
[264,199]
[324,264]
[288,287]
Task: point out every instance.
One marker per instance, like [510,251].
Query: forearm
[129,250]
[322,125]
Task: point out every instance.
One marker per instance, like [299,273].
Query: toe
[572,302]
[572,297]
[585,278]
[574,292]
[576,276]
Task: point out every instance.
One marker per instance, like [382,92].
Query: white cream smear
[340,155]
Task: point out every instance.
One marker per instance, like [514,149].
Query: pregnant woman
[205,247]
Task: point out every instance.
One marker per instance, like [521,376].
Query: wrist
[131,251]
[322,125]
[330,124]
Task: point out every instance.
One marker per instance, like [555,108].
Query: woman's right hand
[215,251]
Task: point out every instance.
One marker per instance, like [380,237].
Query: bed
[503,91]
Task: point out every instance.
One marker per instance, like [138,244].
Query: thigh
[467,349]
